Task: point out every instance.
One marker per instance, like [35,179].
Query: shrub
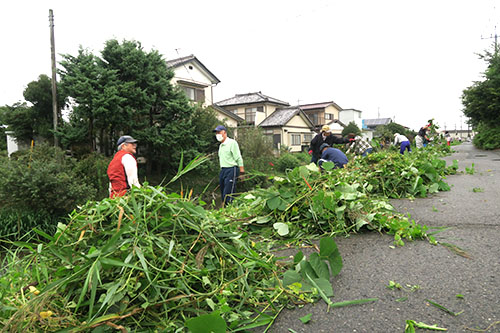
[16,224]
[92,169]
[287,161]
[256,149]
[42,180]
[487,137]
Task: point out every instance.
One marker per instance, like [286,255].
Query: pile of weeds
[150,260]
[307,202]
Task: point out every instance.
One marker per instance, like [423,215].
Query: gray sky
[404,59]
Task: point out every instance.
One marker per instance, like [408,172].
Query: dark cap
[125,139]
[323,146]
[220,128]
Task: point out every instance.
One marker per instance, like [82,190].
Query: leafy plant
[412,324]
[471,170]
[477,189]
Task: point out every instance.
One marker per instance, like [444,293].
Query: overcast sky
[408,60]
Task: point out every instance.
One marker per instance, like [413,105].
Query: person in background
[122,170]
[324,136]
[358,145]
[231,164]
[329,154]
[421,139]
[403,142]
[447,136]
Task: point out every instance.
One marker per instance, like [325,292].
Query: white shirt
[130,166]
[400,138]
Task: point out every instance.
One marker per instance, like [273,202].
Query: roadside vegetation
[482,103]
[166,257]
[166,260]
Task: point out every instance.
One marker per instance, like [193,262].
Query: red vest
[117,175]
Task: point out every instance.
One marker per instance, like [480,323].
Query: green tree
[351,128]
[127,90]
[29,122]
[94,89]
[18,119]
[482,103]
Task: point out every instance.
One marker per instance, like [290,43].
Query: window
[295,139]
[314,118]
[195,94]
[328,116]
[250,114]
[308,137]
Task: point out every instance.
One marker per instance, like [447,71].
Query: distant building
[198,83]
[373,123]
[252,107]
[290,127]
[321,113]
[351,115]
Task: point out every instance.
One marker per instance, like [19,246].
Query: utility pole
[55,113]
[495,37]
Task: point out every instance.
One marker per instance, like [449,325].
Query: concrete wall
[12,145]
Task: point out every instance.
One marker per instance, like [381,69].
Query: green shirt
[229,154]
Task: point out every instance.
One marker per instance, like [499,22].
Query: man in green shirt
[231,164]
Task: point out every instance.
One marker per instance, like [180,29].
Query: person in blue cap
[329,154]
[231,164]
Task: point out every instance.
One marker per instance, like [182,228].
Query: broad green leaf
[306,318]
[321,288]
[282,228]
[434,188]
[327,246]
[328,165]
[306,269]
[298,257]
[291,277]
[360,222]
[273,203]
[209,323]
[320,267]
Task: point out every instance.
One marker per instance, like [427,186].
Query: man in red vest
[122,171]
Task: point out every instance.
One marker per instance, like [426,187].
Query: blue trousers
[367,152]
[404,145]
[227,182]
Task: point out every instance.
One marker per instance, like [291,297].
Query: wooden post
[55,113]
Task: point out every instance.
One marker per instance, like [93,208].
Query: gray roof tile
[281,117]
[250,98]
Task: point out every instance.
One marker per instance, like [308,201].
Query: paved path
[370,263]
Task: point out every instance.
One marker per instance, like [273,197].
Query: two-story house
[321,113]
[288,127]
[198,82]
[252,107]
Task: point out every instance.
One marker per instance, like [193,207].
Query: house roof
[282,116]
[351,110]
[319,106]
[376,122]
[174,63]
[250,98]
[227,113]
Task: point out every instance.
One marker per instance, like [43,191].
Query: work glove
[310,152]
[352,140]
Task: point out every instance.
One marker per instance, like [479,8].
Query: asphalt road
[370,262]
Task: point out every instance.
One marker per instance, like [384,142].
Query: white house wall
[346,116]
[197,77]
[12,146]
